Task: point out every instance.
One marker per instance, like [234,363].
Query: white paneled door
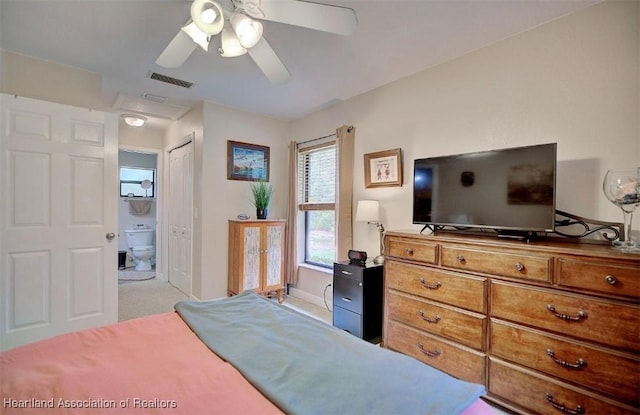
[58,195]
[180,208]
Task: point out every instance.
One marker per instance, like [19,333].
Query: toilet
[140,242]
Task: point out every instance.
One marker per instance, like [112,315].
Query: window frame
[307,207]
[152,189]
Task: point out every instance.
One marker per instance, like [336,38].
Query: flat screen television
[510,191]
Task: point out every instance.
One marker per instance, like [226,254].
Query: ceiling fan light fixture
[197,35]
[230,46]
[208,16]
[249,31]
[134,120]
[250,7]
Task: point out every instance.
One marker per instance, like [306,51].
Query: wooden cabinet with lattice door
[256,256]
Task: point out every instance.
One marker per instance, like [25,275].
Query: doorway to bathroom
[138,241]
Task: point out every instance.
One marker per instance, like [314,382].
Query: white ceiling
[121,39]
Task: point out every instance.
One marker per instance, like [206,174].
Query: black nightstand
[357,300]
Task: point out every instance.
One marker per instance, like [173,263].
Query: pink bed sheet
[150,365]
[144,366]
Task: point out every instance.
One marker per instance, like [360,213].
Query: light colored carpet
[144,298]
[309,309]
[125,276]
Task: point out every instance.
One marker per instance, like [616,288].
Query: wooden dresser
[547,327]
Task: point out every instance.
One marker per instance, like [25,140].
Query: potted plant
[262,192]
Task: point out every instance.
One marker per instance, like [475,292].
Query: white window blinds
[317,177]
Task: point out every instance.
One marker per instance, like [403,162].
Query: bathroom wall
[125,219]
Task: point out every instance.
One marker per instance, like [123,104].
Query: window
[317,190]
[132,180]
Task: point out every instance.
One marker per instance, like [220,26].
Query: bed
[239,355]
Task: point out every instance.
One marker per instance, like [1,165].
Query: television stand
[514,296]
[435,228]
[432,228]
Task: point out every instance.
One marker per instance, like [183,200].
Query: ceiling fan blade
[333,19]
[177,52]
[267,60]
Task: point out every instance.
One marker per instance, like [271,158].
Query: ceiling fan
[240,29]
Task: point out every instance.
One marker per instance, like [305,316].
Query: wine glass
[622,188]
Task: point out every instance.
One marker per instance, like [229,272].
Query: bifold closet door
[180,202]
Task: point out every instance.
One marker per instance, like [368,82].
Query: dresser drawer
[574,362]
[456,360]
[412,249]
[610,323]
[599,277]
[538,394]
[455,324]
[444,286]
[507,264]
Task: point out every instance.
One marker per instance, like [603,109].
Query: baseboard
[313,299]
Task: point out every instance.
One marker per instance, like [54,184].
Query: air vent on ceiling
[170,80]
[154,97]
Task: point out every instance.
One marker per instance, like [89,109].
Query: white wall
[224,199]
[217,199]
[35,78]
[574,81]
[141,138]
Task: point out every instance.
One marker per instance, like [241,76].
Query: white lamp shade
[134,120]
[249,31]
[197,35]
[207,16]
[368,211]
[230,44]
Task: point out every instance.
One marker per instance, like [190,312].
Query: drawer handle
[430,286]
[581,314]
[409,251]
[346,272]
[579,364]
[610,279]
[461,259]
[519,266]
[346,299]
[427,319]
[577,411]
[429,353]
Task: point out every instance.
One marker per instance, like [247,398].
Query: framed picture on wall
[383,169]
[249,162]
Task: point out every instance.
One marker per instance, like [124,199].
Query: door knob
[110,236]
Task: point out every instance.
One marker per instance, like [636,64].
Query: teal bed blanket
[307,367]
